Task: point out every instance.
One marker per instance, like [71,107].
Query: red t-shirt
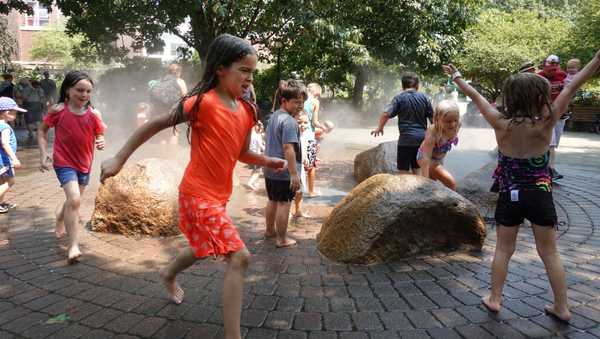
[218,137]
[74,138]
[557,82]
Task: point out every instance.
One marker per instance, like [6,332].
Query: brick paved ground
[293,293]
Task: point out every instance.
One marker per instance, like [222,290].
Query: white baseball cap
[8,104]
[553,59]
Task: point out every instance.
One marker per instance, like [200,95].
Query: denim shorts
[6,172]
[66,174]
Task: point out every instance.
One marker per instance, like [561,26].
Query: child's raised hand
[449,69]
[100,142]
[110,167]
[45,163]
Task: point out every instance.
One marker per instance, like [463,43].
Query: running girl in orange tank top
[219,129]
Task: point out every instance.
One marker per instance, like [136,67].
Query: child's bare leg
[233,290]
[281,224]
[310,178]
[59,229]
[440,173]
[5,185]
[184,259]
[545,243]
[253,177]
[270,213]
[71,217]
[298,205]
[506,238]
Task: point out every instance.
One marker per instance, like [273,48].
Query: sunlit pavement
[296,293]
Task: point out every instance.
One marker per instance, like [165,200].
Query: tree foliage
[501,41]
[8,43]
[54,45]
[585,33]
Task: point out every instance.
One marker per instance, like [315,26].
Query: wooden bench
[583,118]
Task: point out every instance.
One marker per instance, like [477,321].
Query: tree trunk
[359,86]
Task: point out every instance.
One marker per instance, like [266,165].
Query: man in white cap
[8,149]
[552,72]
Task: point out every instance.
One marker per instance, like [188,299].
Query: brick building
[25,27]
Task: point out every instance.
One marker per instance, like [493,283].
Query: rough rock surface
[391,216]
[476,187]
[380,159]
[141,200]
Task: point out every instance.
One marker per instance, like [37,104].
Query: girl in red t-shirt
[220,122]
[78,127]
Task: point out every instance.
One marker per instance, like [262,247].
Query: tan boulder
[377,160]
[394,216]
[141,200]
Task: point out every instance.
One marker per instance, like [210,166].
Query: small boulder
[476,187]
[395,216]
[141,200]
[380,159]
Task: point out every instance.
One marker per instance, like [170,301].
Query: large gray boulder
[141,200]
[380,159]
[395,216]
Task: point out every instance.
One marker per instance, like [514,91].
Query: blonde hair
[442,109]
[574,62]
[314,89]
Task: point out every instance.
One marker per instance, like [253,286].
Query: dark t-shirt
[282,129]
[413,109]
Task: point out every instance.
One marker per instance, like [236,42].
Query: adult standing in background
[49,87]
[165,95]
[7,88]
[557,77]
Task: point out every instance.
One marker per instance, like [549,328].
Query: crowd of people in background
[35,96]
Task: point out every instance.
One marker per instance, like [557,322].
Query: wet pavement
[114,291]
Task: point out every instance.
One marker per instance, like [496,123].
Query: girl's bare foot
[173,289]
[492,306]
[74,255]
[563,315]
[288,242]
[59,229]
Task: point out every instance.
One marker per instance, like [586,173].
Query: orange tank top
[218,136]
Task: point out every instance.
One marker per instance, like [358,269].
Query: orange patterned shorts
[208,229]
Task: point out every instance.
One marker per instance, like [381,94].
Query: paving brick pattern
[295,293]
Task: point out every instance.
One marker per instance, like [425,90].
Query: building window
[40,17]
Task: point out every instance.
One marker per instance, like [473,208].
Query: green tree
[416,34]
[55,45]
[501,41]
[8,42]
[585,33]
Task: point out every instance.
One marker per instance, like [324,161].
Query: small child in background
[257,145]
[438,141]
[573,67]
[78,129]
[8,149]
[142,113]
[309,159]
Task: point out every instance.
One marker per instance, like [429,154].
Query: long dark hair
[71,80]
[223,51]
[524,97]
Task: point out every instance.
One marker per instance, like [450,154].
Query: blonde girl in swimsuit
[438,141]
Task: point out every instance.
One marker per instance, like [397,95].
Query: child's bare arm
[383,119]
[489,112]
[112,166]
[42,137]
[561,103]
[249,157]
[426,151]
[6,146]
